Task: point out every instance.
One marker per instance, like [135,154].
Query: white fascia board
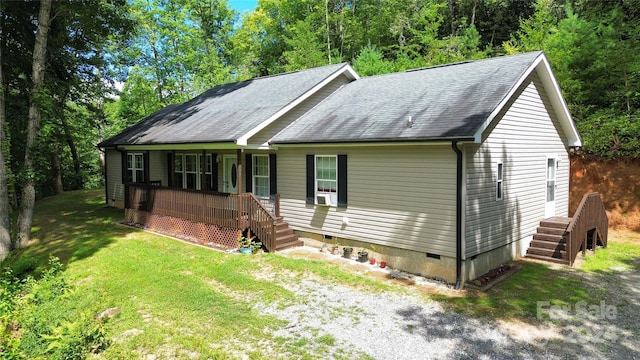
[559,104]
[345,70]
[551,87]
[366,144]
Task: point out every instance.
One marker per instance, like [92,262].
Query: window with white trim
[327,177]
[135,167]
[261,175]
[499,181]
[208,167]
[191,171]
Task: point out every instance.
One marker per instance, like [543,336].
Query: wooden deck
[208,216]
[559,239]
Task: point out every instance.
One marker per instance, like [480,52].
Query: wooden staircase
[285,237]
[550,241]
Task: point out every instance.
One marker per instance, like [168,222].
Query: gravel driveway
[336,321]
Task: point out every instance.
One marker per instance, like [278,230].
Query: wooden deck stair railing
[559,239]
[590,219]
[185,211]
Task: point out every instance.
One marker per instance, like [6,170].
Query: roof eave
[368,142]
[346,70]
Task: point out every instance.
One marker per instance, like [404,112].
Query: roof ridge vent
[440,66]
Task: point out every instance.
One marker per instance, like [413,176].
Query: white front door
[550,203]
[230,174]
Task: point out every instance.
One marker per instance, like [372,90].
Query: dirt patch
[617,181]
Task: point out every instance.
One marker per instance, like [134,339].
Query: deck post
[239,182]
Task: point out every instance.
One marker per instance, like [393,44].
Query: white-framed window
[135,167]
[191,171]
[187,171]
[208,174]
[499,181]
[326,178]
[261,175]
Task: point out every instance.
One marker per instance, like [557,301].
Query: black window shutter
[170,169]
[145,167]
[248,171]
[342,181]
[214,172]
[311,178]
[273,175]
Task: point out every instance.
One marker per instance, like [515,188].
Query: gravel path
[336,321]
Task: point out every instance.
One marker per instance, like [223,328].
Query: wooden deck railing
[590,216]
[233,211]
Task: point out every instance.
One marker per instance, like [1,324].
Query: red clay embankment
[617,181]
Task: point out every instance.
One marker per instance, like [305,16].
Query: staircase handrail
[258,216]
[590,214]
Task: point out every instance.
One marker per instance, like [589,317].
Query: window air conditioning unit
[323,199]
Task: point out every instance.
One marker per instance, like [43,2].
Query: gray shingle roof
[444,102]
[224,113]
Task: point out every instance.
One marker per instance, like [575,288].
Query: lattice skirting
[201,233]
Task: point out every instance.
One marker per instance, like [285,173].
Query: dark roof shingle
[223,113]
[443,102]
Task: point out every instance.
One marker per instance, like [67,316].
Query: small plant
[249,241]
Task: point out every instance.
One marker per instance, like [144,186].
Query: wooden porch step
[542,244]
[549,259]
[288,242]
[549,242]
[550,230]
[285,236]
[549,237]
[556,222]
[553,253]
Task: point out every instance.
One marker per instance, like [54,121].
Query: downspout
[454,146]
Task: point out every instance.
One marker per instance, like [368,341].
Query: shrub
[38,320]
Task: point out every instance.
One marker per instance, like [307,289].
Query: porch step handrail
[590,215]
[259,219]
[236,211]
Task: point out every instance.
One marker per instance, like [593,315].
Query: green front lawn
[177,300]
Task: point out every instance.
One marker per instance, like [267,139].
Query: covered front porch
[208,217]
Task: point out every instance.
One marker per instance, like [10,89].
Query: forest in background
[75,72]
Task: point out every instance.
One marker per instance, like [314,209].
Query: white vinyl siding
[400,196]
[521,139]
[273,129]
[115,189]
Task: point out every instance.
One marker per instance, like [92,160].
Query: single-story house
[446,170]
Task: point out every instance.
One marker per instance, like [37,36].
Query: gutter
[454,146]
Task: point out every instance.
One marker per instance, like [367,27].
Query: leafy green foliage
[595,53]
[36,321]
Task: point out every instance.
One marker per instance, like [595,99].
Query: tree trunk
[27,202]
[56,179]
[452,12]
[5,224]
[77,183]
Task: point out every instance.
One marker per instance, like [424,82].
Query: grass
[622,250]
[176,300]
[183,301]
[517,296]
